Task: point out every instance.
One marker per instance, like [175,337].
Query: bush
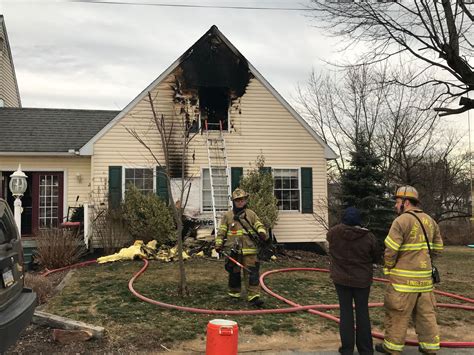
[148,217]
[43,286]
[110,230]
[259,184]
[456,231]
[58,247]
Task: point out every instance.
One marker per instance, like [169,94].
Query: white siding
[264,127]
[71,167]
[8,83]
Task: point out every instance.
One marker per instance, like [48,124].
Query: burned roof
[211,62]
[43,130]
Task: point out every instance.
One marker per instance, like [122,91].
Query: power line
[191,6]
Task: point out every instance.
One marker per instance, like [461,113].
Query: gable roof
[213,31]
[49,131]
[7,66]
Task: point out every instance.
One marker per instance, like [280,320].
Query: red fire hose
[314,309]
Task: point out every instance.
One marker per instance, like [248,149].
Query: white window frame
[201,188]
[137,167]
[298,169]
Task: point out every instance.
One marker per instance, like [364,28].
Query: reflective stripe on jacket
[407,261]
[235,235]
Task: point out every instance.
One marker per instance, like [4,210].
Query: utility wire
[190,6]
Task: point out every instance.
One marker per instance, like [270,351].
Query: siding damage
[209,81]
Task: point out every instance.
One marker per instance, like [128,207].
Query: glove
[263,236]
[218,248]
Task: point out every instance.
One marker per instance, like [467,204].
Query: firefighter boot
[381,349]
[424,351]
[256,302]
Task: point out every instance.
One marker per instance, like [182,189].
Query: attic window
[214,106]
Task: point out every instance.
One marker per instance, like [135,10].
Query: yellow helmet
[408,192]
[239,193]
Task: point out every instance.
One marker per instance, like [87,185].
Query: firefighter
[238,236]
[407,263]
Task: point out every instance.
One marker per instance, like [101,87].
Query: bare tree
[443,179]
[436,33]
[394,120]
[175,135]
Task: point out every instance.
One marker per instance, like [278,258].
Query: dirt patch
[316,339]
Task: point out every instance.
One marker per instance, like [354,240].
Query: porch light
[18,183]
[18,186]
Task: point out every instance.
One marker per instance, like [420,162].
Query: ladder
[218,173]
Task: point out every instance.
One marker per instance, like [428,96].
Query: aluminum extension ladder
[218,173]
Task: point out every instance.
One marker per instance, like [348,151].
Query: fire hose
[317,309]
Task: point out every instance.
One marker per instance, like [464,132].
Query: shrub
[58,247]
[43,286]
[259,184]
[110,230]
[456,231]
[148,217]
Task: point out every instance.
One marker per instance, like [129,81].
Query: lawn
[99,295]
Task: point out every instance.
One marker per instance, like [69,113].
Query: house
[211,82]
[9,94]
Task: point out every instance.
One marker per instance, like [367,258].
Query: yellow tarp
[139,250]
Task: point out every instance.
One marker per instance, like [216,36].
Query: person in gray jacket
[352,252]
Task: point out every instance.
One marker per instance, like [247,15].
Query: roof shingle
[49,130]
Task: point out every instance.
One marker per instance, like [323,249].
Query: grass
[99,295]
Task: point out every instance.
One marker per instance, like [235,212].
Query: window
[48,200]
[220,186]
[214,106]
[141,178]
[287,189]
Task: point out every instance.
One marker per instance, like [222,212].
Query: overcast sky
[89,55]
[100,56]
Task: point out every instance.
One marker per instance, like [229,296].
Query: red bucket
[222,337]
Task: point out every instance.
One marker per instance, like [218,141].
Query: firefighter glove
[263,236]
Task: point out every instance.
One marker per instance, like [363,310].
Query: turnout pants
[399,308]
[363,337]
[251,278]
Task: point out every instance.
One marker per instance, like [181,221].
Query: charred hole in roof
[210,66]
[210,79]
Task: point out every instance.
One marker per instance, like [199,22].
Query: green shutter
[235,176]
[265,170]
[307,190]
[162,184]
[115,186]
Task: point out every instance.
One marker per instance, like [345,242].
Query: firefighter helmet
[407,192]
[239,193]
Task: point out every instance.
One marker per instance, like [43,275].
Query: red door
[47,200]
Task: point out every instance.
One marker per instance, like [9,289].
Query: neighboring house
[46,142]
[9,95]
[211,81]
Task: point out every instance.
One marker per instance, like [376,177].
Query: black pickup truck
[17,303]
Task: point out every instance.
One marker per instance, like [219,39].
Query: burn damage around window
[209,83]
[215,77]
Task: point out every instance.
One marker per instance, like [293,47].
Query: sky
[100,56]
[70,54]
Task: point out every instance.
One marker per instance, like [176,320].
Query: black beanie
[351,217]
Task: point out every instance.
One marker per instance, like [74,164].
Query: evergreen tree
[362,186]
[259,184]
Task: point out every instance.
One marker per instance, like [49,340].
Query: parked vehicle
[17,303]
